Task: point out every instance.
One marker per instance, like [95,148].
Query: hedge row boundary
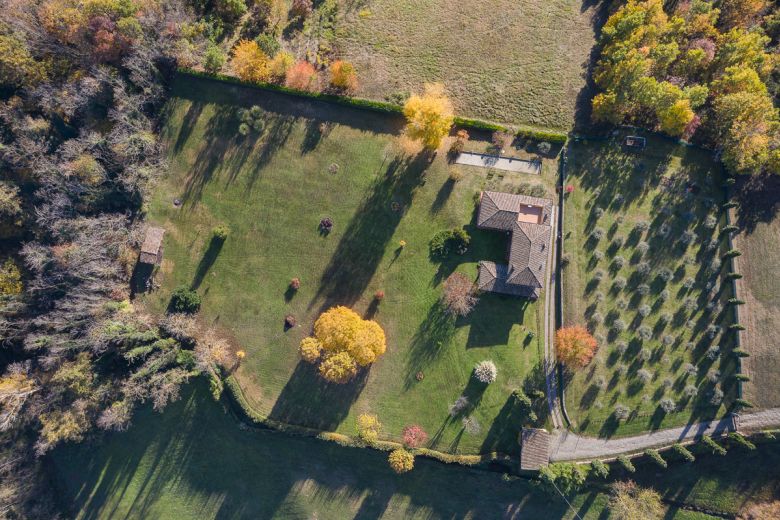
[485,461]
[527,132]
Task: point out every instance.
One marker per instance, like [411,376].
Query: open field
[660,316]
[272,191]
[512,62]
[759,241]
[194,461]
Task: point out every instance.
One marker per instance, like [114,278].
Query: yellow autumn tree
[429,116]
[249,61]
[676,117]
[368,427]
[401,460]
[342,75]
[343,341]
[338,368]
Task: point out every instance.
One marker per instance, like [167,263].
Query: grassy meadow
[759,241]
[511,62]
[644,274]
[272,189]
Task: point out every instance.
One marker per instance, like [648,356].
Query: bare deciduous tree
[459,295]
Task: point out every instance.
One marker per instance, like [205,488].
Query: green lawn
[674,189]
[194,461]
[508,61]
[272,191]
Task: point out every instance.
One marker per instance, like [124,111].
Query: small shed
[151,249]
[534,448]
[635,142]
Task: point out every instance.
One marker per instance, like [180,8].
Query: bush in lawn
[713,352]
[656,457]
[667,340]
[459,144]
[342,75]
[565,259]
[691,369]
[598,275]
[401,460]
[620,283]
[664,295]
[598,212]
[301,76]
[575,346]
[621,304]
[626,463]
[621,347]
[683,452]
[214,59]
[598,255]
[485,371]
[310,349]
[249,62]
[619,325]
[184,299]
[688,283]
[599,469]
[644,310]
[644,376]
[664,230]
[618,262]
[618,242]
[690,391]
[597,234]
[642,248]
[740,439]
[460,404]
[446,242]
[429,116]
[621,369]
[644,332]
[567,477]
[630,502]
[621,412]
[414,436]
[716,448]
[368,427]
[459,295]
[710,221]
[668,405]
[643,268]
[220,233]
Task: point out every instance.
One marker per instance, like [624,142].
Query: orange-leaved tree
[343,341]
[342,75]
[429,117]
[574,346]
[301,76]
[249,61]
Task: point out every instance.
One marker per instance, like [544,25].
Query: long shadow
[365,239]
[759,200]
[505,429]
[433,335]
[582,106]
[492,319]
[442,196]
[208,259]
[308,400]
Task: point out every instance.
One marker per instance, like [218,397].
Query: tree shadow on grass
[492,319]
[365,239]
[308,400]
[442,196]
[505,429]
[433,335]
[208,259]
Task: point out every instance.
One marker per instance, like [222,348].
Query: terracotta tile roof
[527,263]
[534,448]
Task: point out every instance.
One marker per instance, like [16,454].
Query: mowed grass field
[506,61]
[651,288]
[194,461]
[272,190]
[759,241]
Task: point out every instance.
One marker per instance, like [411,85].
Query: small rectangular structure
[635,142]
[151,249]
[498,162]
[534,448]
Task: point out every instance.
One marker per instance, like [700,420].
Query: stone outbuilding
[151,249]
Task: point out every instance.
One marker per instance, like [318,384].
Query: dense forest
[706,71]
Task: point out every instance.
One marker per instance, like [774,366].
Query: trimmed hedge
[626,463]
[480,461]
[599,469]
[743,403]
[740,439]
[714,446]
[376,106]
[683,452]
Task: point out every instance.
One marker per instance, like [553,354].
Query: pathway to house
[550,368]
[566,445]
[510,164]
